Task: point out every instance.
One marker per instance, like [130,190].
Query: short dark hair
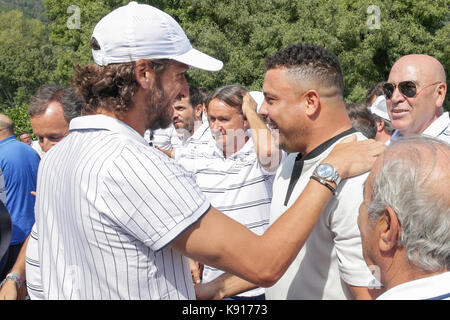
[232,95]
[23,132]
[362,119]
[309,61]
[46,94]
[195,96]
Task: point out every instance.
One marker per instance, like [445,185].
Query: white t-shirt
[238,186]
[332,254]
[430,288]
[107,207]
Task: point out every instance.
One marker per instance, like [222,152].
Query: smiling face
[414,115]
[284,109]
[227,125]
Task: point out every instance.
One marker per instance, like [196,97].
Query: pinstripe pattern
[237,186]
[107,206]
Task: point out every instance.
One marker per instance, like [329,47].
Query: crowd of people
[147,187]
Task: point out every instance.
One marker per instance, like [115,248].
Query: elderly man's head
[405,216]
[415,93]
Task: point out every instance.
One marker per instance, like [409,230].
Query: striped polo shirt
[107,207]
[238,186]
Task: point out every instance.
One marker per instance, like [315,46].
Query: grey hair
[407,184]
[46,94]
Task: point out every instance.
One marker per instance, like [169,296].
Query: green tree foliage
[32,8]
[19,116]
[26,58]
[239,32]
[243,32]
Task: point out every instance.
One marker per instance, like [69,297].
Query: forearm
[269,155]
[9,290]
[224,286]
[258,259]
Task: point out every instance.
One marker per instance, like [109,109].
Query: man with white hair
[415,94]
[405,219]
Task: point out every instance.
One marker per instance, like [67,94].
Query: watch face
[325,170]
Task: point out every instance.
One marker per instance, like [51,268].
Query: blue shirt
[19,163]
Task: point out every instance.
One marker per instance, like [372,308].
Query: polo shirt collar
[438,126]
[8,139]
[428,288]
[104,122]
[200,131]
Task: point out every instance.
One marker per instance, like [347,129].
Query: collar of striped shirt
[104,122]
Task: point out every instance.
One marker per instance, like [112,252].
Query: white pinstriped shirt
[107,207]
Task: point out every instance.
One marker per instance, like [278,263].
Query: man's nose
[263,111]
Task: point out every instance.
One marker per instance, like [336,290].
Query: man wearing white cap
[114,216]
[415,95]
[384,126]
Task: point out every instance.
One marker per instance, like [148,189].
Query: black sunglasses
[406,88]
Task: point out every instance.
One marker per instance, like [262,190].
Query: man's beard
[159,110]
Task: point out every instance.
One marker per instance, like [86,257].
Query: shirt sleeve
[352,266]
[151,197]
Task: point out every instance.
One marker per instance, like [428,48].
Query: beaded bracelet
[14,277]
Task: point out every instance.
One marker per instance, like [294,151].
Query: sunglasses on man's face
[406,88]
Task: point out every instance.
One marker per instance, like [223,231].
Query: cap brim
[200,60]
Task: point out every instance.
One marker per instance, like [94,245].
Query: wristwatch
[327,172]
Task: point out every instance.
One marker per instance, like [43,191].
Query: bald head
[425,67]
[413,115]
[6,126]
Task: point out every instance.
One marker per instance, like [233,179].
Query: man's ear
[144,74]
[198,111]
[380,125]
[441,92]
[389,230]
[312,99]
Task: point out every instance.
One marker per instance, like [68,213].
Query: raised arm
[269,155]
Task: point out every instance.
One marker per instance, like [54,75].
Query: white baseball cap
[379,108]
[139,31]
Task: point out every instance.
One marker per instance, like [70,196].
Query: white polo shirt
[166,138]
[238,186]
[332,254]
[439,128]
[107,207]
[430,288]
